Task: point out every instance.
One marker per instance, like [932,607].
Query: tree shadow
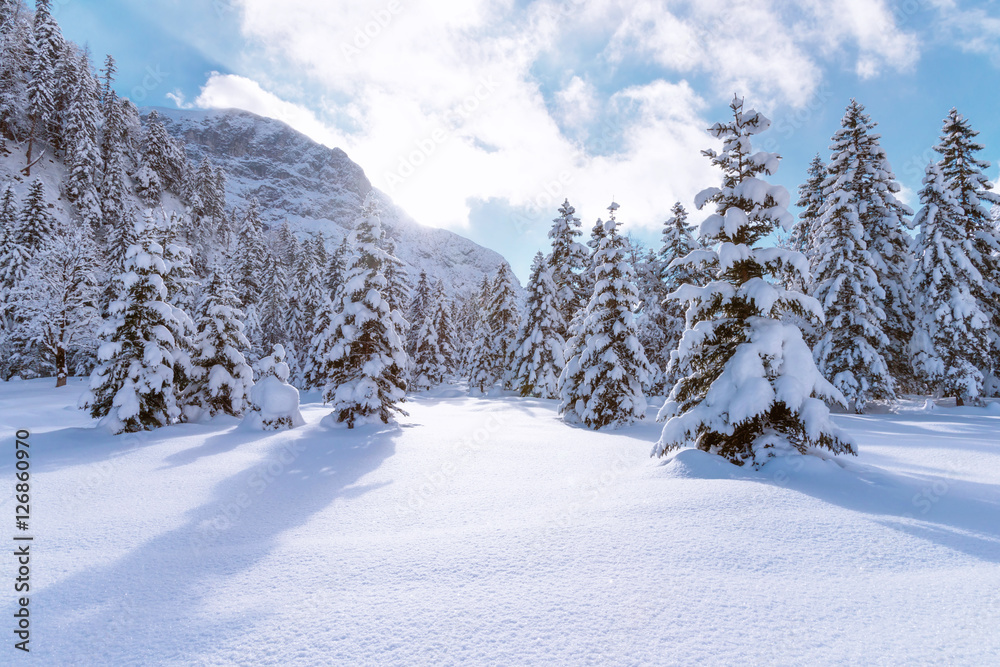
[153,602]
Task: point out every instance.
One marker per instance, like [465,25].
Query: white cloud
[441,102]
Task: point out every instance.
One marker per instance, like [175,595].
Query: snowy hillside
[486,531]
[316,188]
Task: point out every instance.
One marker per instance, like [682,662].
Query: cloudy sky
[482,115]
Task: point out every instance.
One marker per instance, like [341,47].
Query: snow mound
[273,405]
[696,464]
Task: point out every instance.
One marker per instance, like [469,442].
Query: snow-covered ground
[486,531]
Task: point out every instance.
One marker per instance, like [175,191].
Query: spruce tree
[504,319]
[33,230]
[604,382]
[368,361]
[753,389]
[221,378]
[855,276]
[803,235]
[567,261]
[951,345]
[82,151]
[307,299]
[963,175]
[274,303]
[249,260]
[132,388]
[479,361]
[538,355]
[46,48]
[434,357]
[419,307]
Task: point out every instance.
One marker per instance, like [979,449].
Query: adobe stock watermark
[364,35]
[453,119]
[153,77]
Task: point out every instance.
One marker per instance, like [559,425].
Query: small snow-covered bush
[274,404]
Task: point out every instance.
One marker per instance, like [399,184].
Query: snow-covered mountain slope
[316,188]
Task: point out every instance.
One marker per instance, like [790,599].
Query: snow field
[486,531]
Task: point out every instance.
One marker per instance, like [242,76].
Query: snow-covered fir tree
[537,358]
[132,389]
[964,177]
[307,300]
[274,404]
[478,361]
[221,378]
[567,262]
[504,318]
[250,253]
[604,382]
[367,363]
[34,228]
[951,341]
[803,236]
[850,279]
[273,306]
[753,390]
[420,304]
[46,47]
[677,242]
[82,144]
[435,355]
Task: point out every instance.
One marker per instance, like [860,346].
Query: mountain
[316,188]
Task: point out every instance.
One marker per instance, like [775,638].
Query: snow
[486,531]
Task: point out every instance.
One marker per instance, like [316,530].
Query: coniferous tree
[963,176]
[567,261]
[116,207]
[33,230]
[753,389]
[82,151]
[132,388]
[367,363]
[677,242]
[479,362]
[307,298]
[538,354]
[951,342]
[274,404]
[274,303]
[46,47]
[419,307]
[504,319]
[604,382]
[850,279]
[434,357]
[803,235]
[249,261]
[221,378]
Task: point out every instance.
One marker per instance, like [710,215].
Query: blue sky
[481,115]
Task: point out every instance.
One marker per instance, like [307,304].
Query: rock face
[317,189]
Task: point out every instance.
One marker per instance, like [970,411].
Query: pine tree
[337,265]
[249,260]
[538,354]
[603,383]
[163,155]
[587,279]
[963,175]
[803,235]
[274,303]
[567,261]
[116,208]
[851,279]
[435,356]
[83,155]
[221,379]
[35,228]
[368,361]
[132,388]
[479,361]
[951,344]
[46,48]
[753,389]
[307,299]
[419,307]
[677,242]
[505,320]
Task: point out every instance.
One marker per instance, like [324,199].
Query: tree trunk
[61,371]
